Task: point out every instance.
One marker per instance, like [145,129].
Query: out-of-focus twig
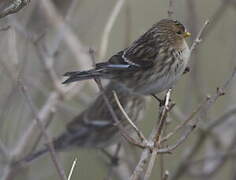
[201,138]
[170,8]
[128,24]
[219,159]
[194,84]
[214,19]
[47,62]
[3,150]
[49,144]
[79,51]
[11,7]
[108,27]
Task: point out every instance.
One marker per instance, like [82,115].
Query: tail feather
[81,75]
[104,70]
[71,73]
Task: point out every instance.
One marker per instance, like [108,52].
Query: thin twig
[128,24]
[163,117]
[185,122]
[199,35]
[108,27]
[156,140]
[47,62]
[139,133]
[72,169]
[195,81]
[49,144]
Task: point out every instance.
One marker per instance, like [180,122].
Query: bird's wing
[120,61]
[142,53]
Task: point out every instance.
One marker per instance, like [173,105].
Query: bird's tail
[103,70]
[81,75]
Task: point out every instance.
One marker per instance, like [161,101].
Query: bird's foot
[162,102]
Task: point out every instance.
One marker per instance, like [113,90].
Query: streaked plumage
[94,127]
[151,64]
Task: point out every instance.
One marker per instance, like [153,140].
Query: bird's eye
[179,32]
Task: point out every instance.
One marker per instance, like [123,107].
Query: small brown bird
[94,127]
[151,64]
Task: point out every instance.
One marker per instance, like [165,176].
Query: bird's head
[171,31]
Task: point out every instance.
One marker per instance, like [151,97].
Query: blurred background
[63,40]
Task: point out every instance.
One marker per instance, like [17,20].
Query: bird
[151,64]
[94,127]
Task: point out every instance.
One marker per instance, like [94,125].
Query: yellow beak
[187,34]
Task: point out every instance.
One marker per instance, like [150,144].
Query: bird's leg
[161,101]
[186,70]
